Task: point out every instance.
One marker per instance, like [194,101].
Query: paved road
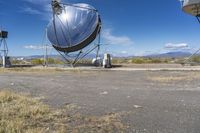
[154,101]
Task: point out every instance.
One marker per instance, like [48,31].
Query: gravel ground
[150,101]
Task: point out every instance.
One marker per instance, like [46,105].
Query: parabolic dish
[74,28]
[191,7]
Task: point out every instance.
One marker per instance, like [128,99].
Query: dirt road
[151,101]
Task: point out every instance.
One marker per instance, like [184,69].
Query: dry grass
[167,79]
[175,78]
[30,70]
[43,70]
[20,114]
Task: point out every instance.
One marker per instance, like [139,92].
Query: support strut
[197,51]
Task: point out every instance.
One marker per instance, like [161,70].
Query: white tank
[191,7]
[107,61]
[6,62]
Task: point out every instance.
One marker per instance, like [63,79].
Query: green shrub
[196,59]
[37,61]
[156,61]
[138,61]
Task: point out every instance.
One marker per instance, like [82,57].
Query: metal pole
[98,49]
[45,49]
[4,53]
[46,57]
[196,52]
[4,48]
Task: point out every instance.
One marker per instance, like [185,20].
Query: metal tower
[4,48]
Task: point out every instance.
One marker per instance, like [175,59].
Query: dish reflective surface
[192,7]
[74,28]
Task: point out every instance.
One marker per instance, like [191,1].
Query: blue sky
[130,27]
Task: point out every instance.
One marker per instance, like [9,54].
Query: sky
[130,27]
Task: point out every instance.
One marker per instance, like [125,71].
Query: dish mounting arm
[56,6]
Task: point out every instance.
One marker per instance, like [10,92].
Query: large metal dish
[75,27]
[191,7]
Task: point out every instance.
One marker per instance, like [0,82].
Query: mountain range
[170,55]
[90,56]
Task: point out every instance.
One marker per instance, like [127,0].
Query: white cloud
[109,38]
[37,47]
[124,52]
[120,51]
[177,46]
[38,2]
[38,7]
[30,10]
[180,0]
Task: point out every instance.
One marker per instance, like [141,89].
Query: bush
[196,59]
[49,61]
[156,61]
[121,60]
[37,61]
[138,61]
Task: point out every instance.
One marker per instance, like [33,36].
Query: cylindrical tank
[97,61]
[107,61]
[191,7]
[6,61]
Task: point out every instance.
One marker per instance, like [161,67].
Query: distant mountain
[35,56]
[91,56]
[170,55]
